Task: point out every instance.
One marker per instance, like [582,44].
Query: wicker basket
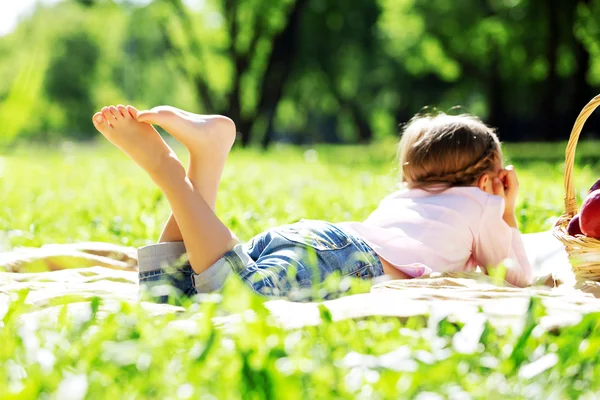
[584,252]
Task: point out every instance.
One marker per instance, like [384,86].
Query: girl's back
[458,229]
[458,209]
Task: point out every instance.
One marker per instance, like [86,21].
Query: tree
[258,34]
[70,77]
[306,70]
[340,47]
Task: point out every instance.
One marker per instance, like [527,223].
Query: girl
[457,211]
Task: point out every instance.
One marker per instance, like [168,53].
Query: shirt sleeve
[497,243]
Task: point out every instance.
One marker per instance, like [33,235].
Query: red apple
[595,187]
[590,215]
[574,228]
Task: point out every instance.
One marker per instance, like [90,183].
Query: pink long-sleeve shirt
[419,232]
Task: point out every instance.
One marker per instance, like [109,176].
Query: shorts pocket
[319,235]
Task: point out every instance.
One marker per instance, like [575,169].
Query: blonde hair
[443,151]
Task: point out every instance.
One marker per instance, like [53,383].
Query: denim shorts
[273,263]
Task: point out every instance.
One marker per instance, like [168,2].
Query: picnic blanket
[109,271]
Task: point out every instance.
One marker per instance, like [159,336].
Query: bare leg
[208,138]
[205,236]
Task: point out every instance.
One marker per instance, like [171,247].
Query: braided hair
[442,151]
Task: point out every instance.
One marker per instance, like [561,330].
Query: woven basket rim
[577,246]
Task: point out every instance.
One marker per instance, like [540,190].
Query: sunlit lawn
[91,192]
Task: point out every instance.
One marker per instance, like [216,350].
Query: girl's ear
[485,183]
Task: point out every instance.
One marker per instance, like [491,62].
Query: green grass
[81,193]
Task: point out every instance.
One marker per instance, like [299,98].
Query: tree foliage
[304,70]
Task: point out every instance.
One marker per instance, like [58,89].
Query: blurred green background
[303,71]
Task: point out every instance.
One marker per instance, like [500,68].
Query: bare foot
[197,132]
[141,142]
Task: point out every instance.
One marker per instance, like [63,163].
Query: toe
[107,115]
[132,111]
[158,115]
[100,122]
[116,114]
[123,111]
[147,116]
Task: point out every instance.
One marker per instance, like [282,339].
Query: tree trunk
[203,93]
[365,134]
[548,112]
[234,112]
[279,67]
[268,136]
[196,76]
[582,93]
[243,129]
[582,90]
[495,97]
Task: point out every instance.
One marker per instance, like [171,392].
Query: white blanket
[91,269]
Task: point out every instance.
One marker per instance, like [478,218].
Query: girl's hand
[506,185]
